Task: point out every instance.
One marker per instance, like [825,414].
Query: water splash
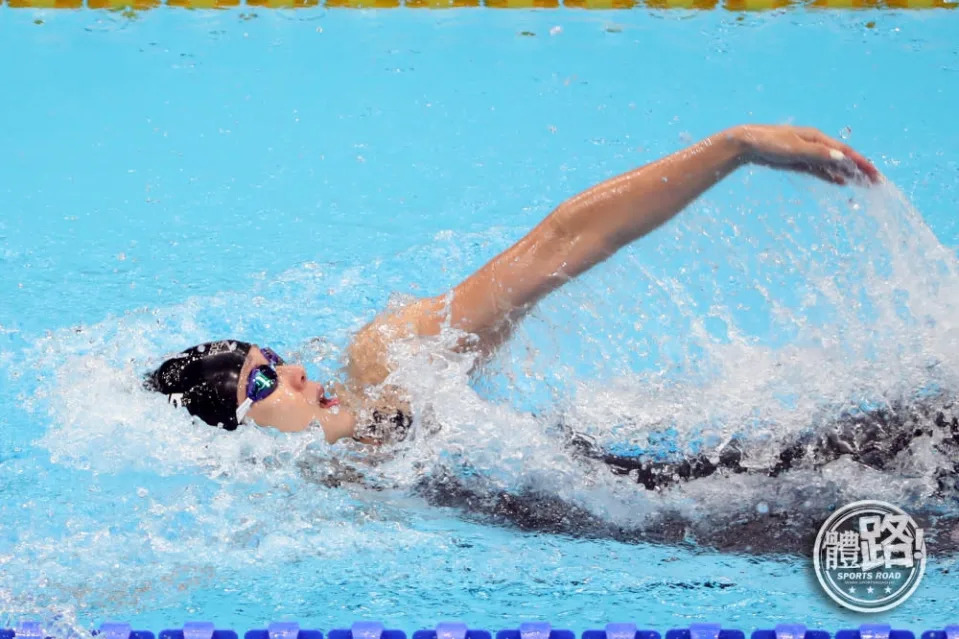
[767,325]
[861,303]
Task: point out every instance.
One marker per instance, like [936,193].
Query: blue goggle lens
[263,381]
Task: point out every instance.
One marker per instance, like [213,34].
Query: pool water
[176,176]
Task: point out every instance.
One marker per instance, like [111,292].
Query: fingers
[810,151]
[828,176]
[819,172]
[824,156]
[864,165]
[819,160]
[854,157]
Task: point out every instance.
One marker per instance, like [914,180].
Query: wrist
[739,140]
[725,151]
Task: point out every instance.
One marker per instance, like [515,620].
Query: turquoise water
[278,176]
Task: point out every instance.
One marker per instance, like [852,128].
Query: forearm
[626,207]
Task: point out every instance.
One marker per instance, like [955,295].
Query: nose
[293,375]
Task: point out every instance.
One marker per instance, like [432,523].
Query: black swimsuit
[878,439]
[874,439]
[387,425]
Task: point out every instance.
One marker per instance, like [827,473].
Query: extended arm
[591,226]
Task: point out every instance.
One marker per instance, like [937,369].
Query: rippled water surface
[172,177]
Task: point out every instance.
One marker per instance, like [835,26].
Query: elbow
[579,238]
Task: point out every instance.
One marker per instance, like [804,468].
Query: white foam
[868,302]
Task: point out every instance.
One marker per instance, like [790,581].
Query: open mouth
[325,401]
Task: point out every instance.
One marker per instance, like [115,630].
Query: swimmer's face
[296,403]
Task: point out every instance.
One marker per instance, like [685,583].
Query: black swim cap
[204,380]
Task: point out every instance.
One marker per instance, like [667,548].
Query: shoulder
[368,361]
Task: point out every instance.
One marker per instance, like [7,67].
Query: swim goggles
[261,383]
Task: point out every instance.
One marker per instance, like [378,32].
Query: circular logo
[869,556]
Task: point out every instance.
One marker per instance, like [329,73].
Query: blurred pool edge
[727,5]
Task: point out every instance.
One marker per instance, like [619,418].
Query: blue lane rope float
[535,630]
[30,629]
[789,631]
[951,632]
[116,630]
[621,631]
[283,630]
[874,631]
[366,630]
[457,630]
[704,631]
[198,630]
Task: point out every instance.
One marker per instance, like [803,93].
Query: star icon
[869,590]
[852,590]
[888,590]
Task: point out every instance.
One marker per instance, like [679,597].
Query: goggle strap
[243,409]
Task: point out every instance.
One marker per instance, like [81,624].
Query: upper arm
[487,303]
[368,353]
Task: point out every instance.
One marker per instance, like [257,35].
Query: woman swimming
[229,382]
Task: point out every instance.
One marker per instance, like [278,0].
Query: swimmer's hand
[804,149]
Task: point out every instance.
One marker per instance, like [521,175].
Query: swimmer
[229,383]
